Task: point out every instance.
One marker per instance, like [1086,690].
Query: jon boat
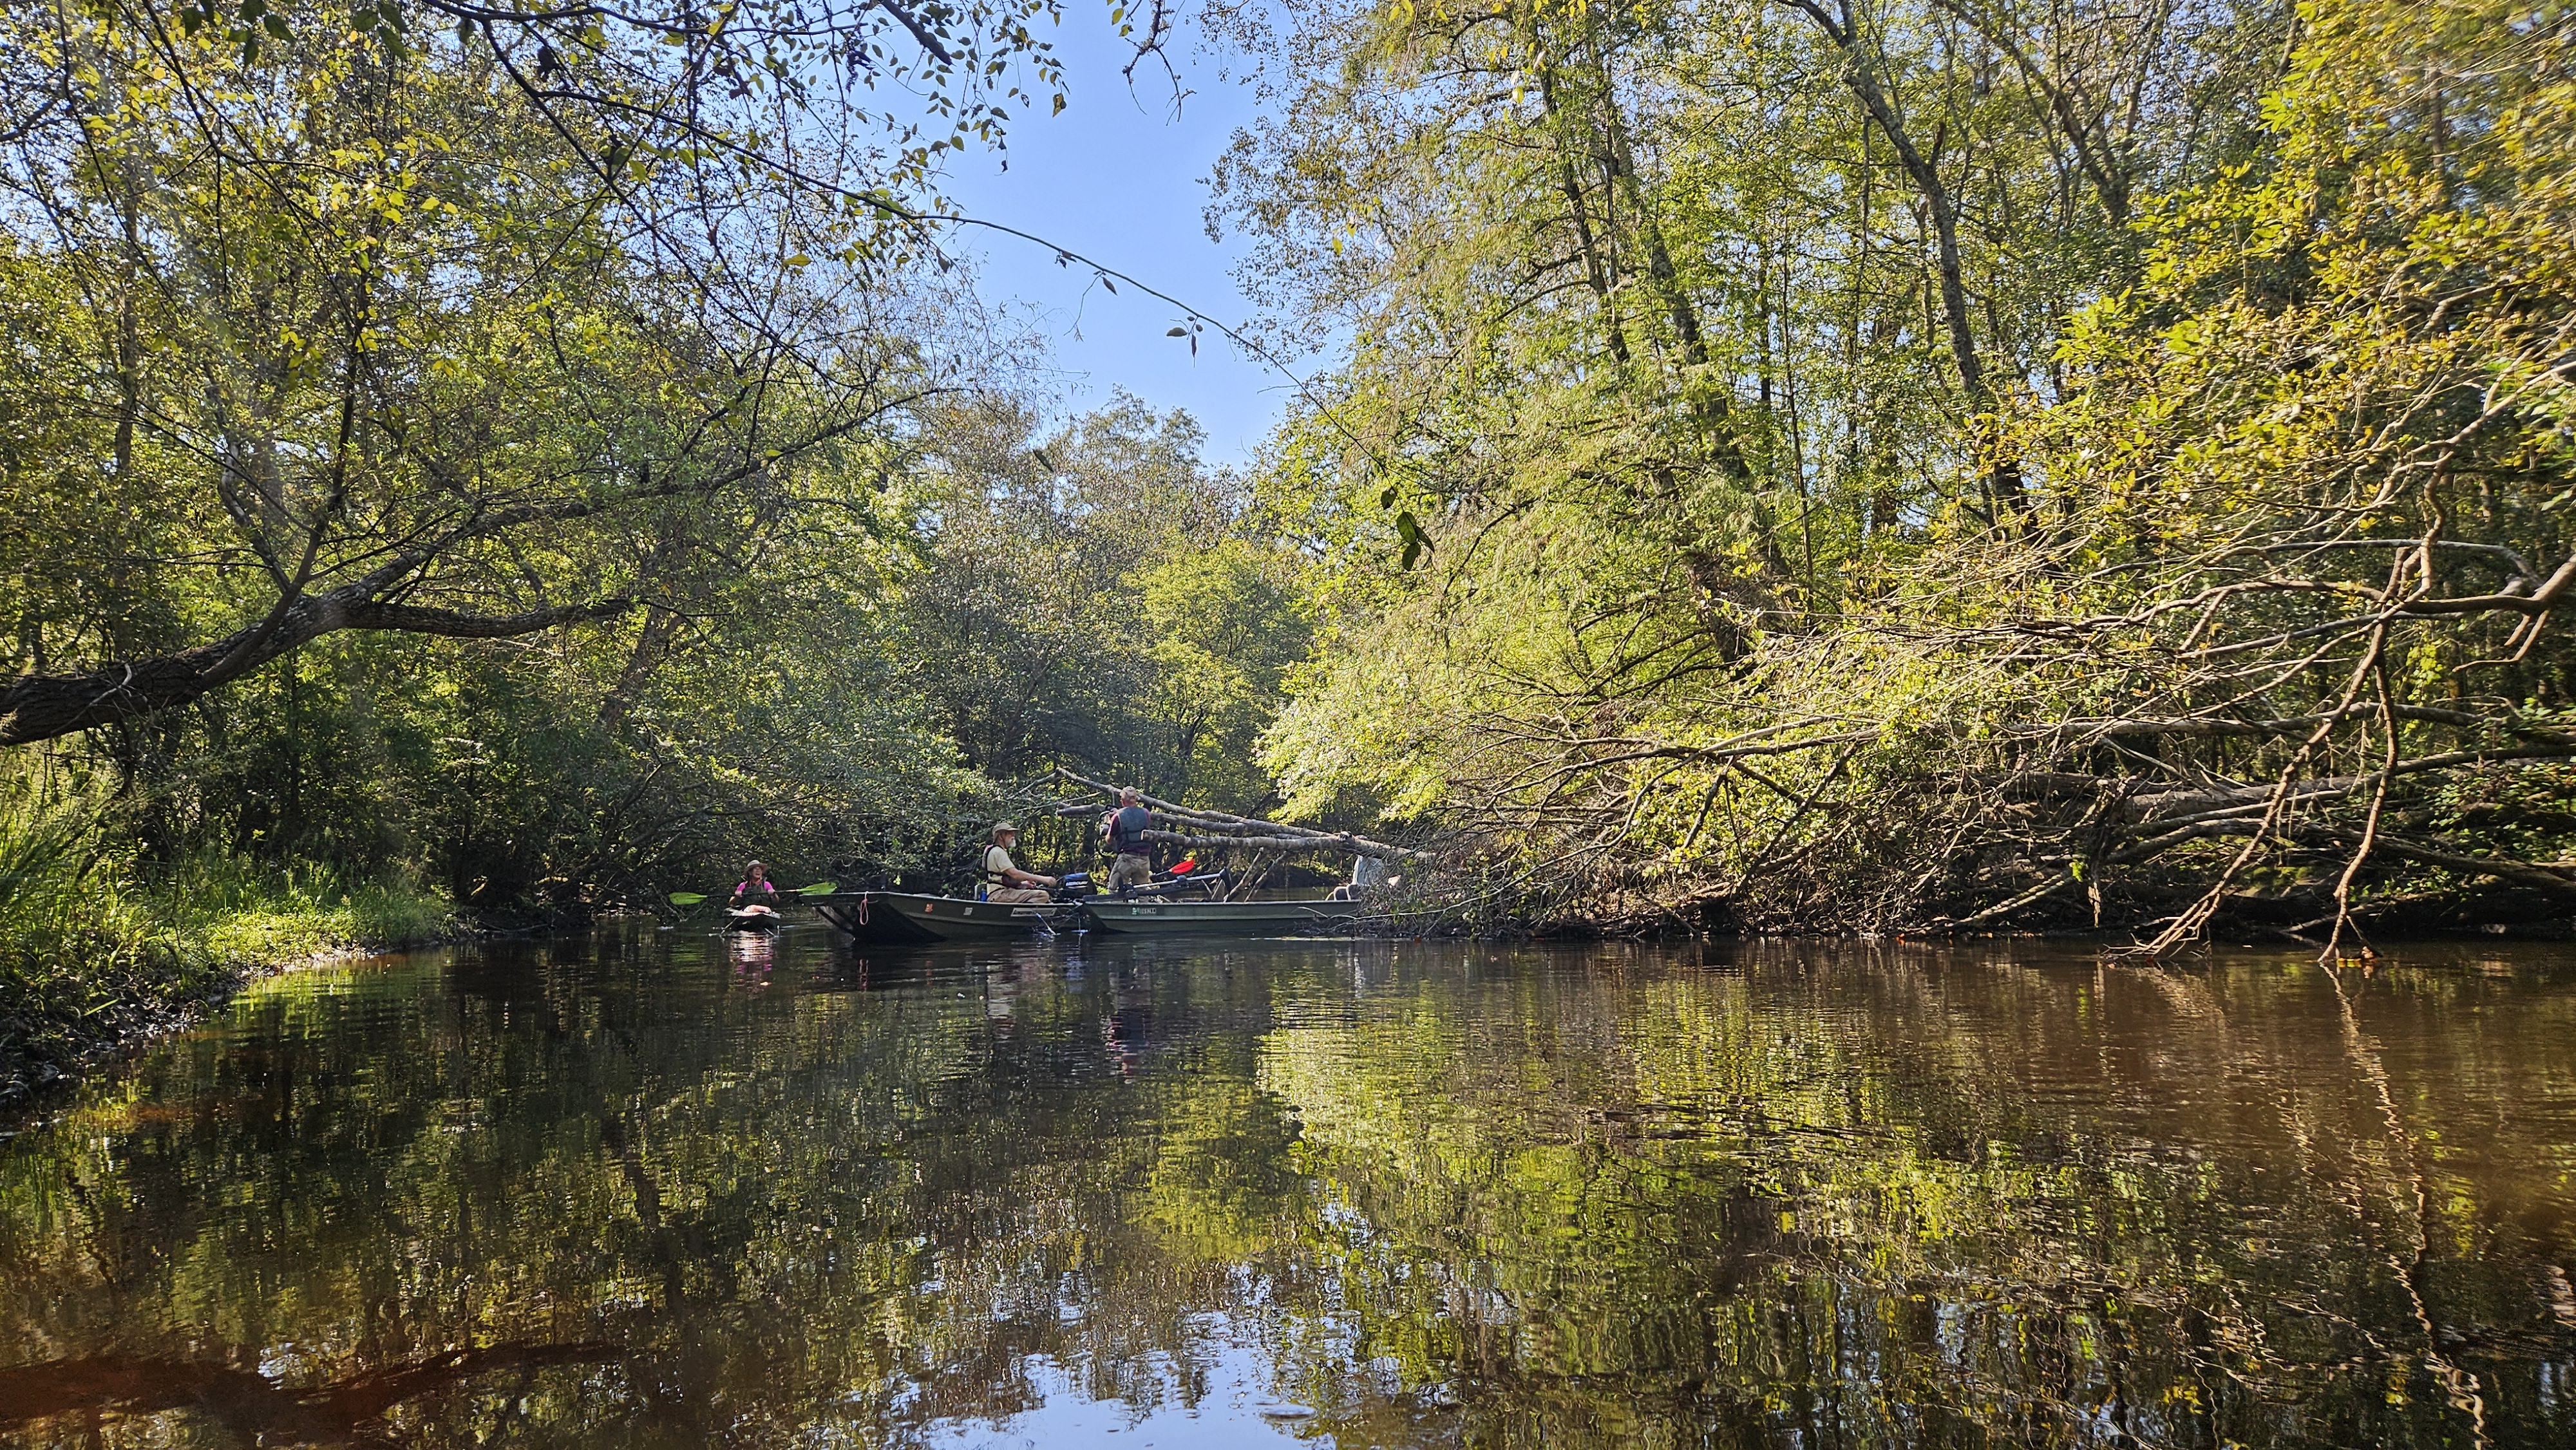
[1146,915]
[899,916]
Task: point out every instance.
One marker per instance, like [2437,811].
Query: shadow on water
[251,1406]
[649,1188]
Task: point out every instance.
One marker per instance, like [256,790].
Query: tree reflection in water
[633,1191]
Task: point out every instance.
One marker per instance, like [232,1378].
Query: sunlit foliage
[1934,464]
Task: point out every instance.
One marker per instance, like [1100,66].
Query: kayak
[898,916]
[738,919]
[1145,915]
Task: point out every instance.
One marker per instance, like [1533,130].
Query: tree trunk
[42,707]
[650,643]
[1715,409]
[2003,466]
[1598,270]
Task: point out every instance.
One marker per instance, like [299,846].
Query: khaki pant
[1016,895]
[1129,871]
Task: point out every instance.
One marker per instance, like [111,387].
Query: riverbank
[2399,904]
[72,997]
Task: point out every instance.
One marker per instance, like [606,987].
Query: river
[656,1188]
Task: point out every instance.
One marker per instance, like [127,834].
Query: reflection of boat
[897,916]
[1142,914]
[753,953]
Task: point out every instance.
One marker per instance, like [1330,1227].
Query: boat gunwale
[1109,912]
[912,908]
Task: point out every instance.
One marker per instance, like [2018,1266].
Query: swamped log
[1352,844]
[1232,830]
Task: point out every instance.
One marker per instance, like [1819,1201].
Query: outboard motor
[1077,883]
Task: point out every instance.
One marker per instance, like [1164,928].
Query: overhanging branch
[42,707]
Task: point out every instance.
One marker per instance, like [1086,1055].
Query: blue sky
[1117,177]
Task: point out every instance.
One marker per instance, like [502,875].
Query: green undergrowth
[249,915]
[96,949]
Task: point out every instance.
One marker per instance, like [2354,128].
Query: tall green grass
[83,960]
[247,913]
[50,858]
[93,947]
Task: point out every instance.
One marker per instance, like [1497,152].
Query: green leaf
[1416,543]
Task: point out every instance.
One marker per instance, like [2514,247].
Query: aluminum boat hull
[1145,916]
[897,916]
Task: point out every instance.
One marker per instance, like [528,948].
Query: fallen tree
[2264,632]
[1219,829]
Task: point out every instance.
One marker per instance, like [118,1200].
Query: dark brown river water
[654,1189]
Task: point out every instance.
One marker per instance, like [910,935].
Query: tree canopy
[1929,464]
[543,454]
[1910,465]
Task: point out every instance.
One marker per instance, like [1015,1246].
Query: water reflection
[646,1189]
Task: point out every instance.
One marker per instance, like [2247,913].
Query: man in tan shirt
[1004,881]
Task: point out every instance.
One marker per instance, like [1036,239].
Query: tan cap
[1000,826]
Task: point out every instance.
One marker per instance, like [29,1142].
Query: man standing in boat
[1004,881]
[1126,827]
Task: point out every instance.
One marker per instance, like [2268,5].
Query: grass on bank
[249,915]
[93,949]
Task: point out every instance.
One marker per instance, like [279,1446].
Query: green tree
[1097,597]
[1921,465]
[393,329]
